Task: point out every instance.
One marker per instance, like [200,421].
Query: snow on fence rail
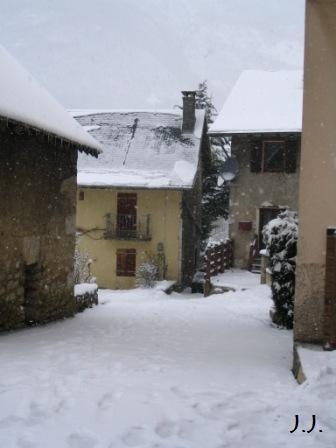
[217,257]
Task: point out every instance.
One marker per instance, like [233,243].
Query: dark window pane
[256,153]
[274,156]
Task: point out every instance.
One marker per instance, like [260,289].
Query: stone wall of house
[37,209]
[251,191]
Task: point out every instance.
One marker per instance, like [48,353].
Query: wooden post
[223,253]
[330,291]
[207,284]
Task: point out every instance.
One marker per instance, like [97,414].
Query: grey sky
[141,53]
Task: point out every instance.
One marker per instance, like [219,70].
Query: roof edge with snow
[262,102]
[219,132]
[28,104]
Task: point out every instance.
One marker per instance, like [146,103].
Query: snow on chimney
[189,101]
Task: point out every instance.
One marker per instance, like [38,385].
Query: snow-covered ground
[144,369]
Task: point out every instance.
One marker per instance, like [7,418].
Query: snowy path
[145,369]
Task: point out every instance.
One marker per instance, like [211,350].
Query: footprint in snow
[108,399]
[81,440]
[10,420]
[37,413]
[165,429]
[210,411]
[134,436]
[24,442]
[186,429]
[179,392]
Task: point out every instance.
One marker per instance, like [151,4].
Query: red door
[127,214]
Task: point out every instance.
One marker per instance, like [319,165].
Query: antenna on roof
[230,169]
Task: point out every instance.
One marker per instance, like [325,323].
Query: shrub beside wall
[280,236]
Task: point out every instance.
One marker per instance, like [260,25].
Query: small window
[81,195]
[126,262]
[273,158]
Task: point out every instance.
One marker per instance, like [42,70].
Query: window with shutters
[274,156]
[126,262]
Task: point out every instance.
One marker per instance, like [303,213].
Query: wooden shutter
[291,155]
[330,289]
[256,156]
[126,262]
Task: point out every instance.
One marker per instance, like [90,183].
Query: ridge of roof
[83,112]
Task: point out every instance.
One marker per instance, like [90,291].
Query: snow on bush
[147,273]
[280,237]
[82,267]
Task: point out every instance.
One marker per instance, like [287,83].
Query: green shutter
[256,156]
[291,155]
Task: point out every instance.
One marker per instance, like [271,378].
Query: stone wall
[37,209]
[250,191]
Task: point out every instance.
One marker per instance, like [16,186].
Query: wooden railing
[217,258]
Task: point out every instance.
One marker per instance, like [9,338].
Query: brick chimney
[189,101]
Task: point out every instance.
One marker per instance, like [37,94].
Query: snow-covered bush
[280,237]
[147,273]
[82,267]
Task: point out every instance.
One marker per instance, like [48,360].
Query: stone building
[38,154]
[262,116]
[315,303]
[142,199]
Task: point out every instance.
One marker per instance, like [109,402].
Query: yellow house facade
[159,216]
[141,199]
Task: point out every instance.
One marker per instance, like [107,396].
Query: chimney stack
[189,105]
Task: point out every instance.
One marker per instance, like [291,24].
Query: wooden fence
[217,258]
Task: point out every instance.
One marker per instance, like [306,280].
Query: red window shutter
[120,262]
[291,155]
[126,262]
[130,262]
[256,156]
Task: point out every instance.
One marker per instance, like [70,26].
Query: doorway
[265,216]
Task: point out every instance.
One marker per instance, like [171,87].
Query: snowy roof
[22,99]
[262,101]
[142,149]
